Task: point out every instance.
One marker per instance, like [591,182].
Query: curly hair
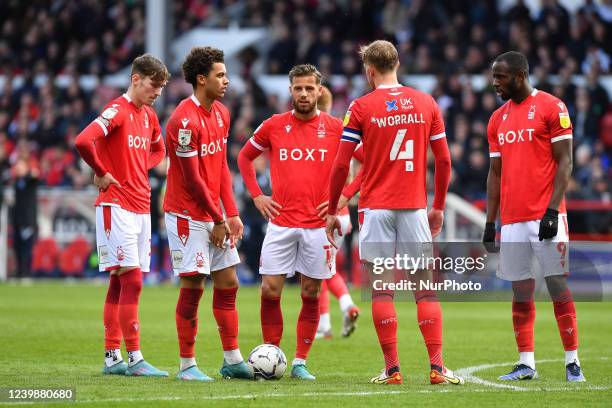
[200,62]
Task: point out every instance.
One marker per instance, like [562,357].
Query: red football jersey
[124,151]
[194,131]
[522,135]
[395,124]
[301,157]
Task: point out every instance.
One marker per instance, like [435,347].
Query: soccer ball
[268,362]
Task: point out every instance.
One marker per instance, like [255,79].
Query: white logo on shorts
[177,259]
[103,254]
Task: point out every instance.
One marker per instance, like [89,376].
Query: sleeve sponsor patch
[564,120]
[109,113]
[184,137]
[104,121]
[347,117]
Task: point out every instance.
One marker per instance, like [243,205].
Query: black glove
[549,224]
[488,239]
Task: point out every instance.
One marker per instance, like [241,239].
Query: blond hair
[381,55]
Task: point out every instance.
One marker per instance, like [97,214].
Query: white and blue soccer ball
[268,362]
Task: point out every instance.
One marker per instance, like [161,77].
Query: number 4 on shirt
[408,152]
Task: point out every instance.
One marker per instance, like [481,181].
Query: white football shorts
[191,251]
[519,243]
[123,238]
[288,250]
[387,233]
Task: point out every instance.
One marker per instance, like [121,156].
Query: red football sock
[324,298]
[271,320]
[187,320]
[337,286]
[385,323]
[131,286]
[429,316]
[307,324]
[523,314]
[112,328]
[226,315]
[565,313]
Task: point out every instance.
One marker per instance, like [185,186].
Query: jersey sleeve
[437,124]
[558,122]
[111,117]
[492,136]
[352,123]
[156,133]
[261,136]
[185,136]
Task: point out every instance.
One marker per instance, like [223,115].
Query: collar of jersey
[129,100]
[388,86]
[199,105]
[532,94]
[304,121]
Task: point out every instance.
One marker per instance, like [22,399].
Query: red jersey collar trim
[127,97]
[534,92]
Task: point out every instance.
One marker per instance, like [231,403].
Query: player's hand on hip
[236,228]
[322,209]
[549,224]
[488,238]
[332,224]
[267,207]
[436,219]
[219,233]
[104,182]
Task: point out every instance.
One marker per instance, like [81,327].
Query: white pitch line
[468,374]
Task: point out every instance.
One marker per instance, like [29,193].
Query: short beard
[303,111]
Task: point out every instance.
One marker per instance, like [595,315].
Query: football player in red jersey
[336,284]
[202,241]
[396,125]
[530,145]
[121,145]
[302,144]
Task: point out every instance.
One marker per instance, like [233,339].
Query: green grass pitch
[52,336]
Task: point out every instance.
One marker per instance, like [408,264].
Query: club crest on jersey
[184,137]
[321,130]
[146,120]
[184,122]
[504,117]
[219,120]
[391,105]
[287,128]
[531,113]
[564,120]
[561,105]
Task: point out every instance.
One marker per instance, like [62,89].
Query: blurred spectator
[25,211]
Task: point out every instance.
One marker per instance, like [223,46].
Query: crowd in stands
[451,40]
